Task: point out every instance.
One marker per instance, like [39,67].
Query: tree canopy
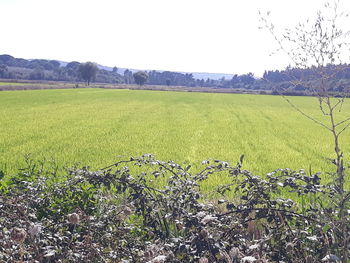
[88,71]
[140,77]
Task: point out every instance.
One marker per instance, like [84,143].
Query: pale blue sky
[219,36]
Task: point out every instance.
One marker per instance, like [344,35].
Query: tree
[318,48]
[37,74]
[247,79]
[88,71]
[3,70]
[140,77]
[6,59]
[128,76]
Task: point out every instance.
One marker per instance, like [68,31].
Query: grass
[93,126]
[12,84]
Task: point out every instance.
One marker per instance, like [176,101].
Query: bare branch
[342,130]
[341,122]
[320,100]
[305,114]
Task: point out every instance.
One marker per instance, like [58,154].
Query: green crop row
[94,126]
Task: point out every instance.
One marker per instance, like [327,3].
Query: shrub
[117,214]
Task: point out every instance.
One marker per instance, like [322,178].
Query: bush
[117,214]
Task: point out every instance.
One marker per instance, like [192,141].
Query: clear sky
[218,36]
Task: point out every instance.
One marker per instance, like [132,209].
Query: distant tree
[247,79]
[37,74]
[71,70]
[88,71]
[6,59]
[73,65]
[55,64]
[168,82]
[115,70]
[3,70]
[60,74]
[128,76]
[234,80]
[40,63]
[140,77]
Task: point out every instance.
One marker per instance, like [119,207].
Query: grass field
[11,84]
[92,126]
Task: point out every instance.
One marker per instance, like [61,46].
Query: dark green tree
[168,81]
[88,71]
[3,70]
[128,76]
[37,74]
[140,77]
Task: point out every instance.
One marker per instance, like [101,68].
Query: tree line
[41,69]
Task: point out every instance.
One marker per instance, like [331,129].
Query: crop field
[94,126]
[11,84]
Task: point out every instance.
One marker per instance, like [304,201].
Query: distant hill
[42,69]
[196,75]
[215,76]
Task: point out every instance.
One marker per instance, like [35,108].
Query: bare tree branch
[305,114]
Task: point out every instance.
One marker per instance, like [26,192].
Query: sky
[217,36]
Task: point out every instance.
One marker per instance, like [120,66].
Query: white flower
[73,218]
[248,259]
[252,247]
[331,258]
[207,219]
[158,259]
[34,230]
[201,214]
[234,253]
[313,238]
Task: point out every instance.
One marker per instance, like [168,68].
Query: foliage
[117,214]
[40,69]
[140,77]
[3,70]
[171,78]
[128,76]
[88,71]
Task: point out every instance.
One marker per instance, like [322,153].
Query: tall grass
[93,126]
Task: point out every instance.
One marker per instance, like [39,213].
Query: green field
[93,126]
[12,84]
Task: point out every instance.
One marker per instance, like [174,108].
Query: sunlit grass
[12,84]
[93,126]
